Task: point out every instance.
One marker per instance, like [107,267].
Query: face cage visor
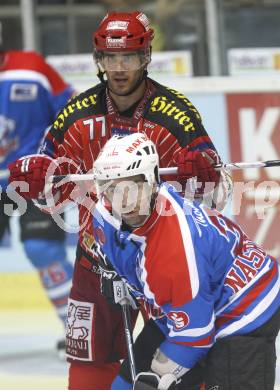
[122,61]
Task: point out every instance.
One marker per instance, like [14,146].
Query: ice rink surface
[28,359]
[29,330]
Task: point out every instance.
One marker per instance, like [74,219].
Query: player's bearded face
[130,199]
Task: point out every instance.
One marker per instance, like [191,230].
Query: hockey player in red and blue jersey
[215,291]
[31,94]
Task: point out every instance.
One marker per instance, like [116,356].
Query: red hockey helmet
[123,32]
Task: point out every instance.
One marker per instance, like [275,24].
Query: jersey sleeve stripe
[202,142]
[206,342]
[26,75]
[74,140]
[260,308]
[77,128]
[168,150]
[252,295]
[158,135]
[244,289]
[195,332]
[165,138]
[91,154]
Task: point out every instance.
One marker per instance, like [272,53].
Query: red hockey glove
[32,170]
[198,164]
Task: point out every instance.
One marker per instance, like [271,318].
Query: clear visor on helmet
[125,196]
[122,61]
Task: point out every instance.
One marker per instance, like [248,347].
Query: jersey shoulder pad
[23,60]
[90,102]
[172,110]
[31,67]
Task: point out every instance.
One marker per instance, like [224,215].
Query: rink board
[22,291]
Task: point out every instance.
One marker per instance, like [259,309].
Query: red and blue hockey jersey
[201,272]
[31,94]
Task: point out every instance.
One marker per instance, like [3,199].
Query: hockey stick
[128,337]
[173,170]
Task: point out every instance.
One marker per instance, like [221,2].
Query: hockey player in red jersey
[126,100]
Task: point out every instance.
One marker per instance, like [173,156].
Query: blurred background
[208,29]
[224,55]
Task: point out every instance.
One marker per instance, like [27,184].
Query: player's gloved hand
[32,170]
[150,380]
[111,285]
[168,370]
[198,164]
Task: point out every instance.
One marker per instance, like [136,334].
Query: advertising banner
[254,128]
[252,62]
[82,67]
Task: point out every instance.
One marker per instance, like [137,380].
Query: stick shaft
[129,340]
[230,166]
[173,170]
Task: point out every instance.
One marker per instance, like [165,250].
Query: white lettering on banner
[256,139]
[264,226]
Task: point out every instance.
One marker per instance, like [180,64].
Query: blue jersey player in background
[215,294]
[31,94]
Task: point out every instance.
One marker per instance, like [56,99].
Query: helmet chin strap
[100,75]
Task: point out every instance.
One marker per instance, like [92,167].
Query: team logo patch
[79,330]
[117,25]
[100,235]
[180,319]
[115,42]
[119,131]
[88,241]
[144,21]
[21,92]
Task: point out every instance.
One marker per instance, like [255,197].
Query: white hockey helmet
[131,155]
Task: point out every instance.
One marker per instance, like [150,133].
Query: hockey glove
[111,285]
[198,164]
[168,370]
[149,381]
[32,170]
